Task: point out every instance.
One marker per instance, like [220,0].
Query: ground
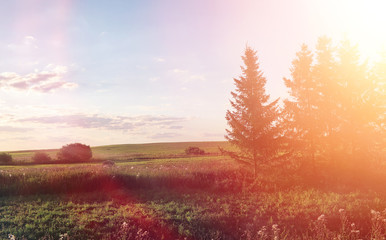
[155,191]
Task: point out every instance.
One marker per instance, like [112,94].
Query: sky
[117,72]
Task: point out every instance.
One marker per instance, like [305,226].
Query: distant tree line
[70,153]
[335,113]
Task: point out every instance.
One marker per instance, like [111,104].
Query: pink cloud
[108,122]
[43,81]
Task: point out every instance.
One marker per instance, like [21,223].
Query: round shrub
[41,157]
[194,151]
[75,152]
[5,158]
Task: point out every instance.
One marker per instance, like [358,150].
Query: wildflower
[124,225]
[262,232]
[275,227]
[322,218]
[63,236]
[132,167]
[341,211]
[353,225]
[375,215]
[10,175]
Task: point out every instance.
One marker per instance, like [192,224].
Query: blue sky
[109,72]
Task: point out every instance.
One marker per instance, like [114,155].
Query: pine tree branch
[238,157]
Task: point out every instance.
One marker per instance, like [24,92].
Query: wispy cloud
[44,81]
[175,127]
[158,59]
[186,76]
[197,77]
[28,42]
[177,70]
[13,129]
[108,122]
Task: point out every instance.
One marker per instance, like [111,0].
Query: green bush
[41,157]
[75,152]
[5,158]
[194,151]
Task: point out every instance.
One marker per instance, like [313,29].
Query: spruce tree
[378,100]
[354,113]
[252,118]
[378,97]
[361,107]
[301,109]
[324,72]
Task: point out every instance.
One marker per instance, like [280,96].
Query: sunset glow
[124,72]
[365,22]
[189,120]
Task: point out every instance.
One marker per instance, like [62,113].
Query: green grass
[178,197]
[132,151]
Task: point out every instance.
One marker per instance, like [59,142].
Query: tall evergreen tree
[252,118]
[378,79]
[336,109]
[355,112]
[375,99]
[324,74]
[300,110]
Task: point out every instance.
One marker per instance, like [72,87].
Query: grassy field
[154,191]
[132,151]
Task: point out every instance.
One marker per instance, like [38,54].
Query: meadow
[156,191]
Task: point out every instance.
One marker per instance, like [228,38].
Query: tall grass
[197,198]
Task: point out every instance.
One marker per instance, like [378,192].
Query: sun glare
[365,23]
